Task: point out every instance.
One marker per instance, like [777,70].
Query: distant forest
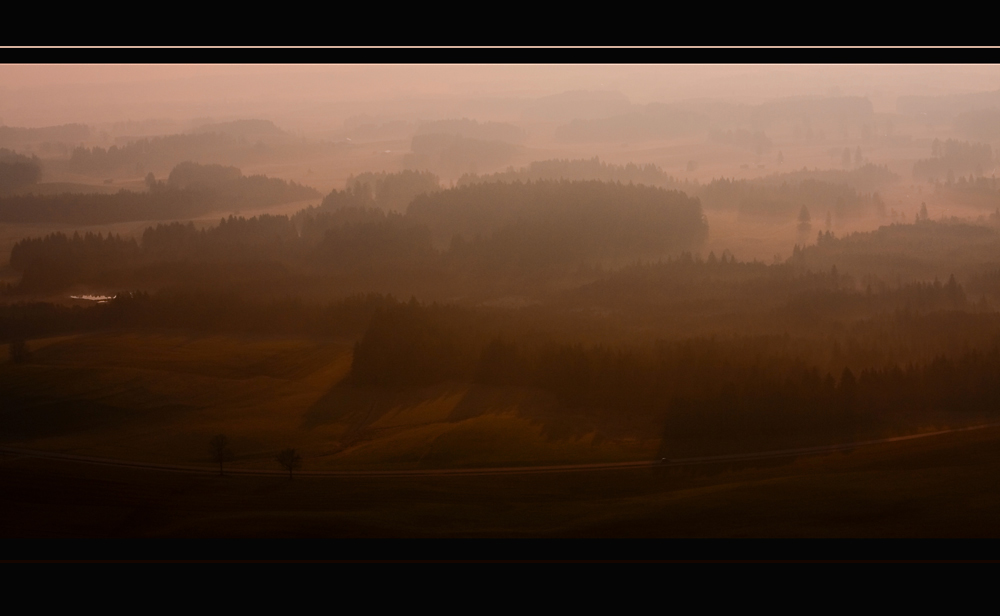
[589,293]
[778,197]
[950,158]
[240,143]
[711,394]
[809,120]
[17,170]
[782,202]
[190,190]
[485,131]
[580,283]
[580,170]
[14,136]
[706,394]
[392,191]
[500,229]
[496,238]
[454,155]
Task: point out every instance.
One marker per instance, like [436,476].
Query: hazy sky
[303,96]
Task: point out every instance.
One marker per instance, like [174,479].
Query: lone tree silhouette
[221,453]
[290,460]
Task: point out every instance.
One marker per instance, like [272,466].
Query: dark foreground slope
[941,486]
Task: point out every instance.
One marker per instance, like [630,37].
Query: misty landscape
[327,301]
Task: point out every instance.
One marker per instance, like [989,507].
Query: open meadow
[161,398]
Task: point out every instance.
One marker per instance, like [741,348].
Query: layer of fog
[322,125]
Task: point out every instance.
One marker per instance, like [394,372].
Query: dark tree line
[843,193]
[146,153]
[17,170]
[57,261]
[865,179]
[721,294]
[454,155]
[90,209]
[950,158]
[901,253]
[229,185]
[522,229]
[205,311]
[756,199]
[706,391]
[413,344]
[65,133]
[192,190]
[609,218]
[228,141]
[391,191]
[583,170]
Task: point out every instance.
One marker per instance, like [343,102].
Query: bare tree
[290,460]
[221,453]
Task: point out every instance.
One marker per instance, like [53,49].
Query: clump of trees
[190,190]
[781,202]
[230,141]
[195,310]
[17,170]
[864,179]
[583,170]
[410,345]
[57,261]
[805,220]
[763,390]
[391,191]
[904,252]
[596,219]
[950,158]
[454,155]
[538,229]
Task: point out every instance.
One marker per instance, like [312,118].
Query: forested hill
[602,218]
[777,197]
[537,231]
[191,190]
[17,170]
[581,170]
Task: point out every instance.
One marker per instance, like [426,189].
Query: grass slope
[160,397]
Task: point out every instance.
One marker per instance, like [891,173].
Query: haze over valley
[696,289]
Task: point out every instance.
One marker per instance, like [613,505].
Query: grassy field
[161,397]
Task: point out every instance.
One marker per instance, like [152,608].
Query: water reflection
[100,299]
